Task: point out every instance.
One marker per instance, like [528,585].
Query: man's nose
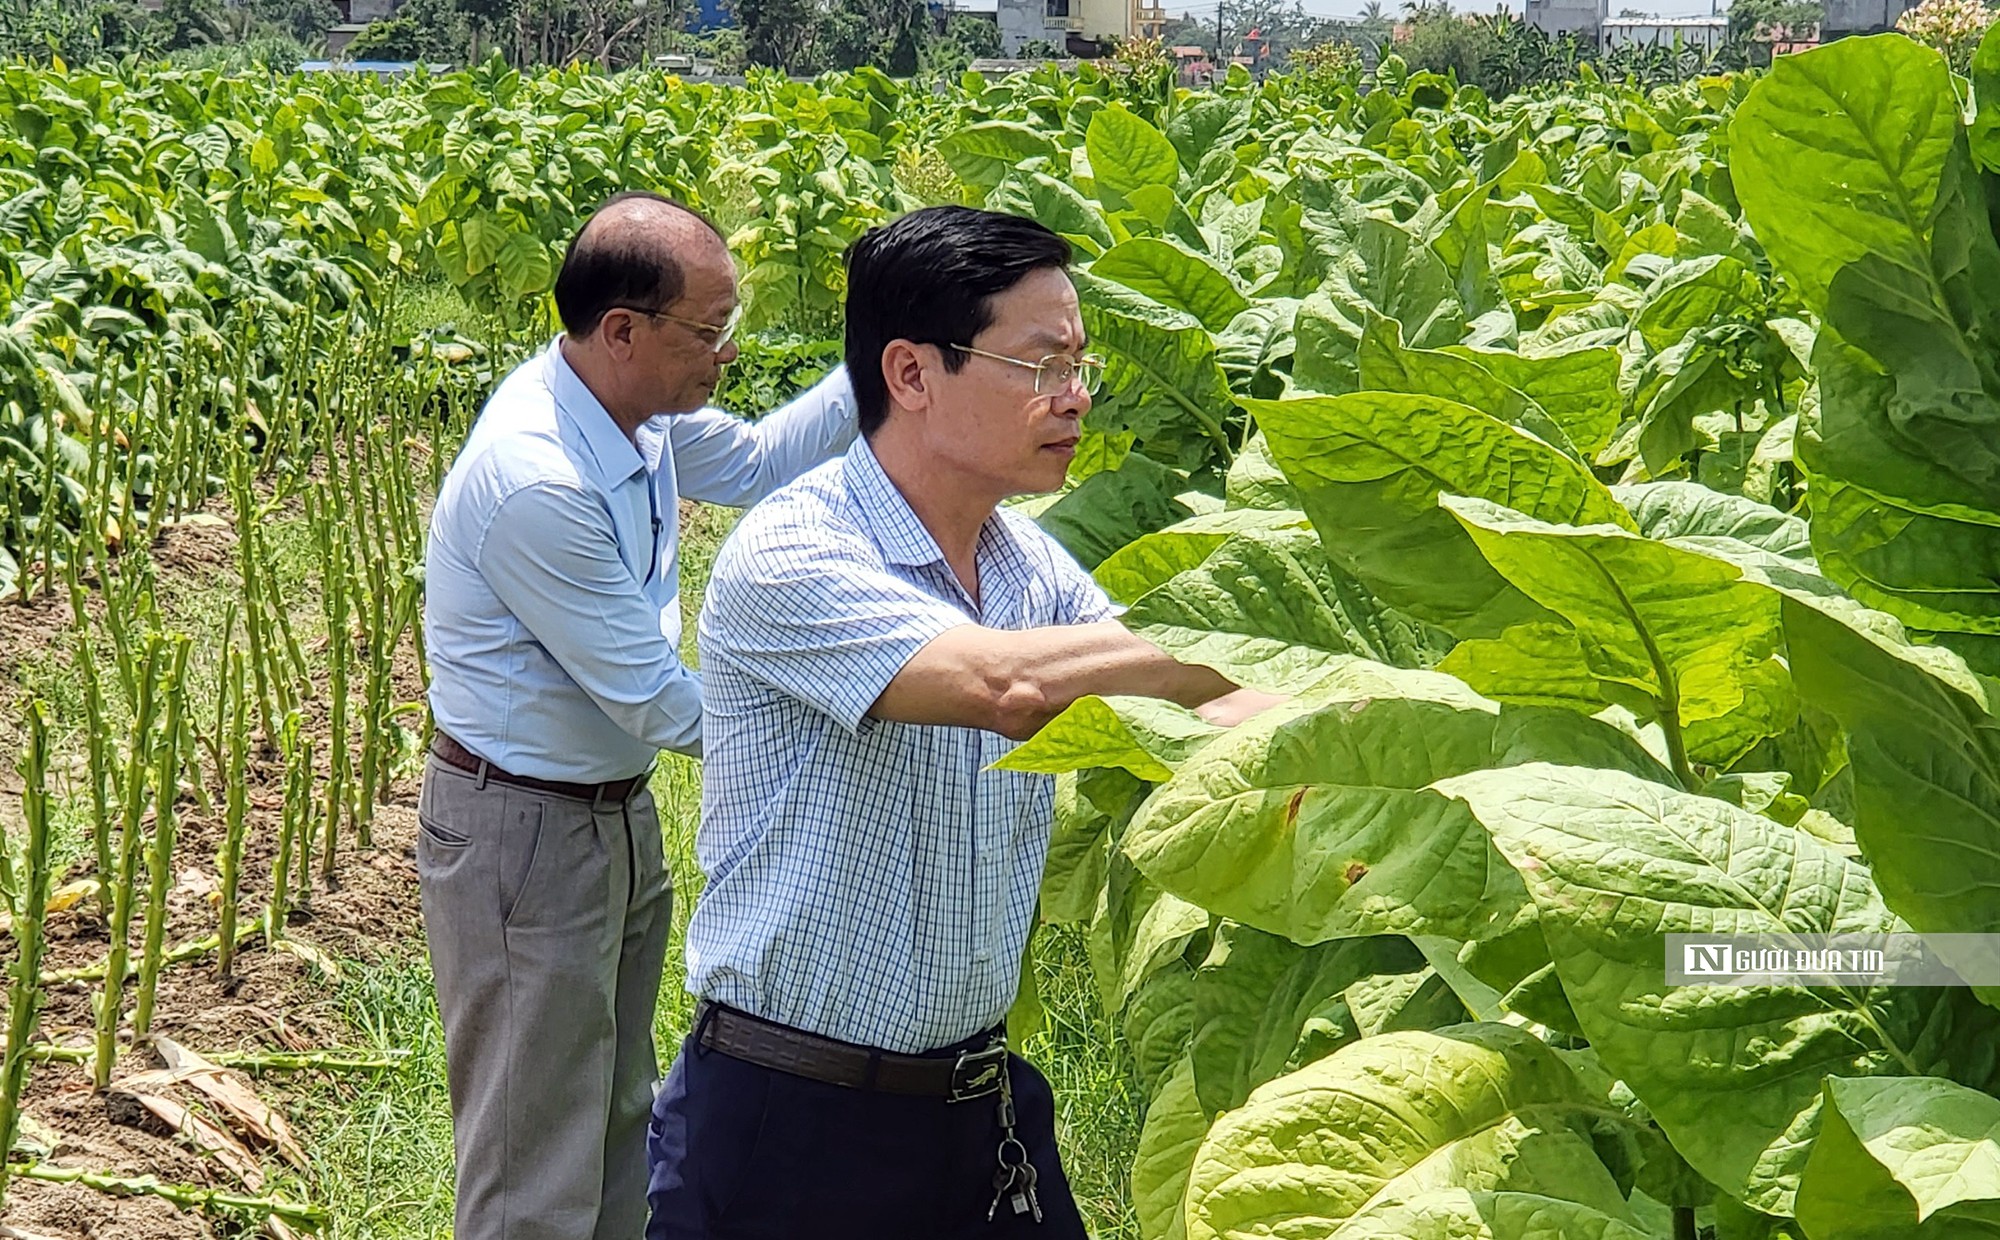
[728,354]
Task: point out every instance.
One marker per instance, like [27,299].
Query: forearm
[1014,682]
[1056,666]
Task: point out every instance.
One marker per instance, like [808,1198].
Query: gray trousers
[547,923]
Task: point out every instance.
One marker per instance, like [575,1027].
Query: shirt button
[982,955]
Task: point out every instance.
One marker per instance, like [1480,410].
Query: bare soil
[274,1000]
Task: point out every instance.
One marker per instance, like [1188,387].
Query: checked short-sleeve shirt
[867,880]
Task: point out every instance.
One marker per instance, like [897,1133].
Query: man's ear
[906,369]
[614,333]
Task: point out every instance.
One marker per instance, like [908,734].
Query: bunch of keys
[1014,1178]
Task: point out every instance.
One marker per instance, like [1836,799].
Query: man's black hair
[607,267]
[930,278]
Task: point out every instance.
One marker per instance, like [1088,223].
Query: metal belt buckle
[977,1072]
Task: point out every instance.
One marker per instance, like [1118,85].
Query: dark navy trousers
[742,1152]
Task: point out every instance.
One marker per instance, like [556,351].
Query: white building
[1582,18]
[1703,32]
[1057,21]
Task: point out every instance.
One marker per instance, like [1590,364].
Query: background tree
[782,34]
[967,37]
[430,31]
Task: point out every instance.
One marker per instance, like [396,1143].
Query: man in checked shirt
[875,636]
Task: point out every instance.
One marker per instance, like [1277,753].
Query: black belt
[974,1072]
[453,754]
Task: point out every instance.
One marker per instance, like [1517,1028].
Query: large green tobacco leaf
[1091,810]
[1369,468]
[1145,737]
[1931,331]
[1461,1214]
[1255,481]
[1388,1119]
[1128,155]
[1056,204]
[1203,123]
[1731,1074]
[983,154]
[1112,507]
[1838,155]
[1269,610]
[1925,751]
[1256,345]
[1674,632]
[1865,194]
[1139,929]
[1151,560]
[1386,366]
[1173,277]
[1162,381]
[1578,388]
[1696,294]
[1688,510]
[1174,1128]
[1903,1158]
[1931,572]
[1158,1022]
[1321,825]
[1264,1005]
[1386,271]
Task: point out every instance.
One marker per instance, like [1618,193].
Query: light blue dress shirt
[552,611]
[868,881]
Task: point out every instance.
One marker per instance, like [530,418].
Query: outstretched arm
[721,459]
[1015,682]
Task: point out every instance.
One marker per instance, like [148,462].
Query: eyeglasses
[723,334]
[1054,372]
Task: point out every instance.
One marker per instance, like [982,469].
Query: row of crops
[1612,476]
[256,748]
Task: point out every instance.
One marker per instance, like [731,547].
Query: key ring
[1002,1153]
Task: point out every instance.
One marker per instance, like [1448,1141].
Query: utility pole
[1218,37]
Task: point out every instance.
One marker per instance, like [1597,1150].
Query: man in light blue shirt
[553,624]
[875,637]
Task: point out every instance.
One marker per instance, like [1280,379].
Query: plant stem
[236,778]
[25,994]
[185,1196]
[110,1002]
[160,860]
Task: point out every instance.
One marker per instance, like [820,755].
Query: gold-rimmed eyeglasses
[1054,372]
[723,334]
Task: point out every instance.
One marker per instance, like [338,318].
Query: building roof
[1672,23]
[378,67]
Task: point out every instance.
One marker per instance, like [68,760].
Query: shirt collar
[903,538]
[616,458]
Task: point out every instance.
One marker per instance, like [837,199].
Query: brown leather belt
[970,1073]
[453,754]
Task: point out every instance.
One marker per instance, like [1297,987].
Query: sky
[1205,9]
